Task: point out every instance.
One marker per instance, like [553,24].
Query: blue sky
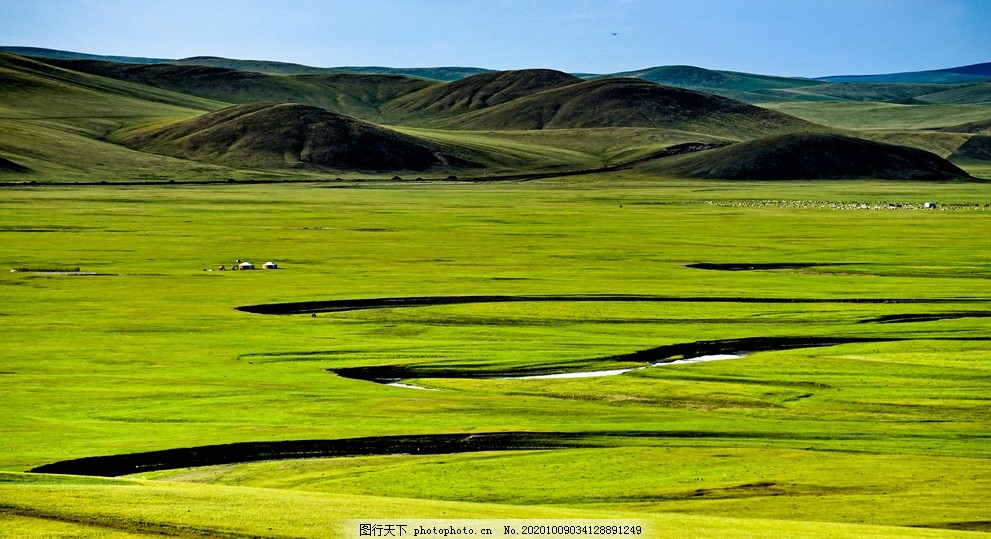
[775,37]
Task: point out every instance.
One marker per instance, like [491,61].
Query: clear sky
[775,37]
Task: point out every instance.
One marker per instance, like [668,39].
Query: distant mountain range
[69,55]
[443,74]
[683,76]
[969,73]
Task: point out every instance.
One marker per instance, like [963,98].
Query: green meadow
[121,335]
[880,115]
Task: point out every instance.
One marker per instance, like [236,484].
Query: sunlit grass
[147,352]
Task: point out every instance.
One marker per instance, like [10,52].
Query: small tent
[246,266]
[270,265]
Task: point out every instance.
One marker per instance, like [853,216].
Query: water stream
[614,372]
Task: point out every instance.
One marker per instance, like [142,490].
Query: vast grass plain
[143,350]
[122,336]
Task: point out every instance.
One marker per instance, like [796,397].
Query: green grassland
[877,115]
[141,349]
[153,509]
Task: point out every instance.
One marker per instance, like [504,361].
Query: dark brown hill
[356,95]
[216,83]
[257,66]
[809,156]
[476,93]
[630,103]
[977,150]
[292,135]
[6,165]
[982,127]
[973,94]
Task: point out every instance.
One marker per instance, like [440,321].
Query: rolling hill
[809,156]
[353,94]
[977,150]
[629,103]
[65,117]
[980,127]
[55,121]
[291,136]
[865,91]
[697,77]
[474,93]
[968,73]
[259,66]
[444,74]
[10,166]
[32,88]
[977,94]
[41,52]
[256,66]
[747,87]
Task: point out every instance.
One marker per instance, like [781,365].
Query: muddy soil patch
[415,444]
[926,317]
[210,455]
[343,305]
[387,374]
[763,266]
[971,526]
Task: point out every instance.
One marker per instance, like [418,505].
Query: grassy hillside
[753,88]
[697,77]
[77,143]
[941,144]
[54,121]
[979,127]
[31,89]
[490,117]
[748,87]
[283,68]
[975,93]
[10,166]
[444,74]
[256,66]
[570,149]
[474,93]
[976,151]
[874,115]
[809,156]
[290,135]
[967,151]
[937,128]
[41,52]
[629,103]
[867,91]
[355,95]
